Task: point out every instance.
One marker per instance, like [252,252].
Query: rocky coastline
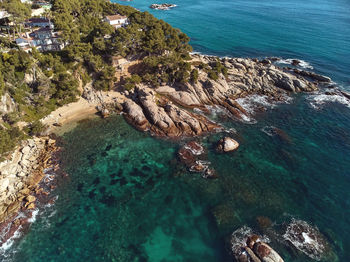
[182,110]
[169,111]
[22,175]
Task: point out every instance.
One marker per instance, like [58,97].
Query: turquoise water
[317,31]
[127,198]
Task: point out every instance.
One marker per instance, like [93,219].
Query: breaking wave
[300,63]
[319,100]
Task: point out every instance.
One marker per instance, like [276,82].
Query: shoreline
[42,153]
[88,106]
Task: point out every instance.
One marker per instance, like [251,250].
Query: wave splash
[318,101]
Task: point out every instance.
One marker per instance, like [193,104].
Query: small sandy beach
[66,117]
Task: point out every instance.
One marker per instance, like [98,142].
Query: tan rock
[4,183]
[31,206]
[30,198]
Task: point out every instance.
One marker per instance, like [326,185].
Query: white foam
[195,151]
[250,103]
[34,215]
[5,253]
[239,239]
[307,239]
[319,100]
[231,131]
[311,246]
[302,63]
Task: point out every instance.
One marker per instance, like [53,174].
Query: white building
[43,39]
[117,20]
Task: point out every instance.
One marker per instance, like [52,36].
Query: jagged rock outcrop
[148,111]
[168,110]
[162,6]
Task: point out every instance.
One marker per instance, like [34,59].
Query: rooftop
[115,17]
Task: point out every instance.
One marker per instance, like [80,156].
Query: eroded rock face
[168,110]
[149,111]
[308,240]
[21,173]
[227,144]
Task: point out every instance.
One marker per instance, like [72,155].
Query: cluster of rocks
[149,111]
[296,235]
[192,155]
[162,6]
[248,247]
[168,110]
[20,174]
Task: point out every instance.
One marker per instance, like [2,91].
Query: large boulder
[135,115]
[247,246]
[227,144]
[266,253]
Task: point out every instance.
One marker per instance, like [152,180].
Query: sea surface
[127,198]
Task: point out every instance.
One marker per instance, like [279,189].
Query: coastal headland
[132,64]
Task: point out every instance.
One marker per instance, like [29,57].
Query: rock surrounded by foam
[192,155]
[308,239]
[248,247]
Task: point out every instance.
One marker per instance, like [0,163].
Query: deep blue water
[317,31]
[127,198]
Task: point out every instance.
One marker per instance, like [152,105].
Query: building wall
[118,22]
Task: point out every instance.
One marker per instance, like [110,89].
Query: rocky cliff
[168,110]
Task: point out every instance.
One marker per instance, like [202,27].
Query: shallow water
[128,199]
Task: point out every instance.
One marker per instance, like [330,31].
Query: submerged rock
[192,155]
[227,144]
[308,240]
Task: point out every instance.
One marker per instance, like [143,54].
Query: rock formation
[309,240]
[227,144]
[20,174]
[168,110]
[162,6]
[248,247]
[192,156]
[148,111]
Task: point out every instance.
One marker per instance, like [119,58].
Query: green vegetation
[40,82]
[194,76]
[217,68]
[131,82]
[20,12]
[9,138]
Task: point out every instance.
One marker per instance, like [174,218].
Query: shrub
[213,75]
[194,76]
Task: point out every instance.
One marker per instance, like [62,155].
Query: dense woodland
[41,82]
